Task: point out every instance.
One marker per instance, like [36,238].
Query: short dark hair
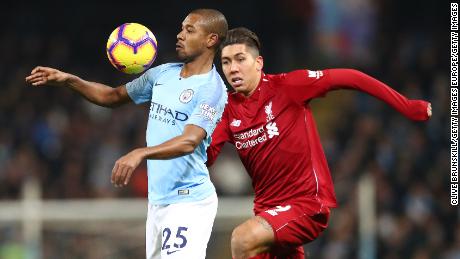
[215,22]
[242,35]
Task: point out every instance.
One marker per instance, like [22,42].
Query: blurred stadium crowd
[70,145]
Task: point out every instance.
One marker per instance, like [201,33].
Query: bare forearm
[125,166]
[175,147]
[96,93]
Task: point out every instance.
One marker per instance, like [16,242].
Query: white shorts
[180,230]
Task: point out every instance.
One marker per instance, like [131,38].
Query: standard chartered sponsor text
[250,142]
[242,140]
[250,133]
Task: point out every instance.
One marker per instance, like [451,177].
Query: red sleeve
[220,135]
[304,85]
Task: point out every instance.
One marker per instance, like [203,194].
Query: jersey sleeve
[210,104]
[140,89]
[304,85]
[219,137]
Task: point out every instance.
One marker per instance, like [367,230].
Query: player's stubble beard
[183,57]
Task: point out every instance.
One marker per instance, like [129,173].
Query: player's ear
[213,39]
[259,63]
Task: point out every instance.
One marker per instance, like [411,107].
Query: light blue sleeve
[140,89]
[211,100]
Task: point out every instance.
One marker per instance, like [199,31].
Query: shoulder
[214,82]
[234,98]
[163,68]
[167,67]
[297,77]
[154,74]
[215,76]
[288,77]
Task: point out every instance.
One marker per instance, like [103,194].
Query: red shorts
[294,224]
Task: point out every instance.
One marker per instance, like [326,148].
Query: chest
[175,94]
[269,113]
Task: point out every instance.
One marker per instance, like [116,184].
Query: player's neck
[200,65]
[254,86]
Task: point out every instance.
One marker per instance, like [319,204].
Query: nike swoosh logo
[170,252]
[157,84]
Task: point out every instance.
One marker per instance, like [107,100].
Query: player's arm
[305,85]
[418,110]
[96,93]
[181,145]
[219,137]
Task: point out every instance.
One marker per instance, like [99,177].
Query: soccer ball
[132,48]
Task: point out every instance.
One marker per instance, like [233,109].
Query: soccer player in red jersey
[269,121]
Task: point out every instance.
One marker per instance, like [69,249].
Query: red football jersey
[275,134]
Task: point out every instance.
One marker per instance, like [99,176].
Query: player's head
[202,31]
[241,60]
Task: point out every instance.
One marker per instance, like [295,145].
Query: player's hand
[47,76]
[125,166]
[428,110]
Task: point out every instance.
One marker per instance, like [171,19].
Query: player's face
[241,67]
[191,40]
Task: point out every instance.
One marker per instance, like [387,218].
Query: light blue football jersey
[174,103]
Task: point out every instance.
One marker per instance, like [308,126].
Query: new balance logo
[274,212]
[235,123]
[315,74]
[272,130]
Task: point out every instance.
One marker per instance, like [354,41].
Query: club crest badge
[268,111]
[186,96]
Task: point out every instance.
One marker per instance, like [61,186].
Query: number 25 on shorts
[180,241]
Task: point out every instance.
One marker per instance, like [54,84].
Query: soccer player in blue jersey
[186,101]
